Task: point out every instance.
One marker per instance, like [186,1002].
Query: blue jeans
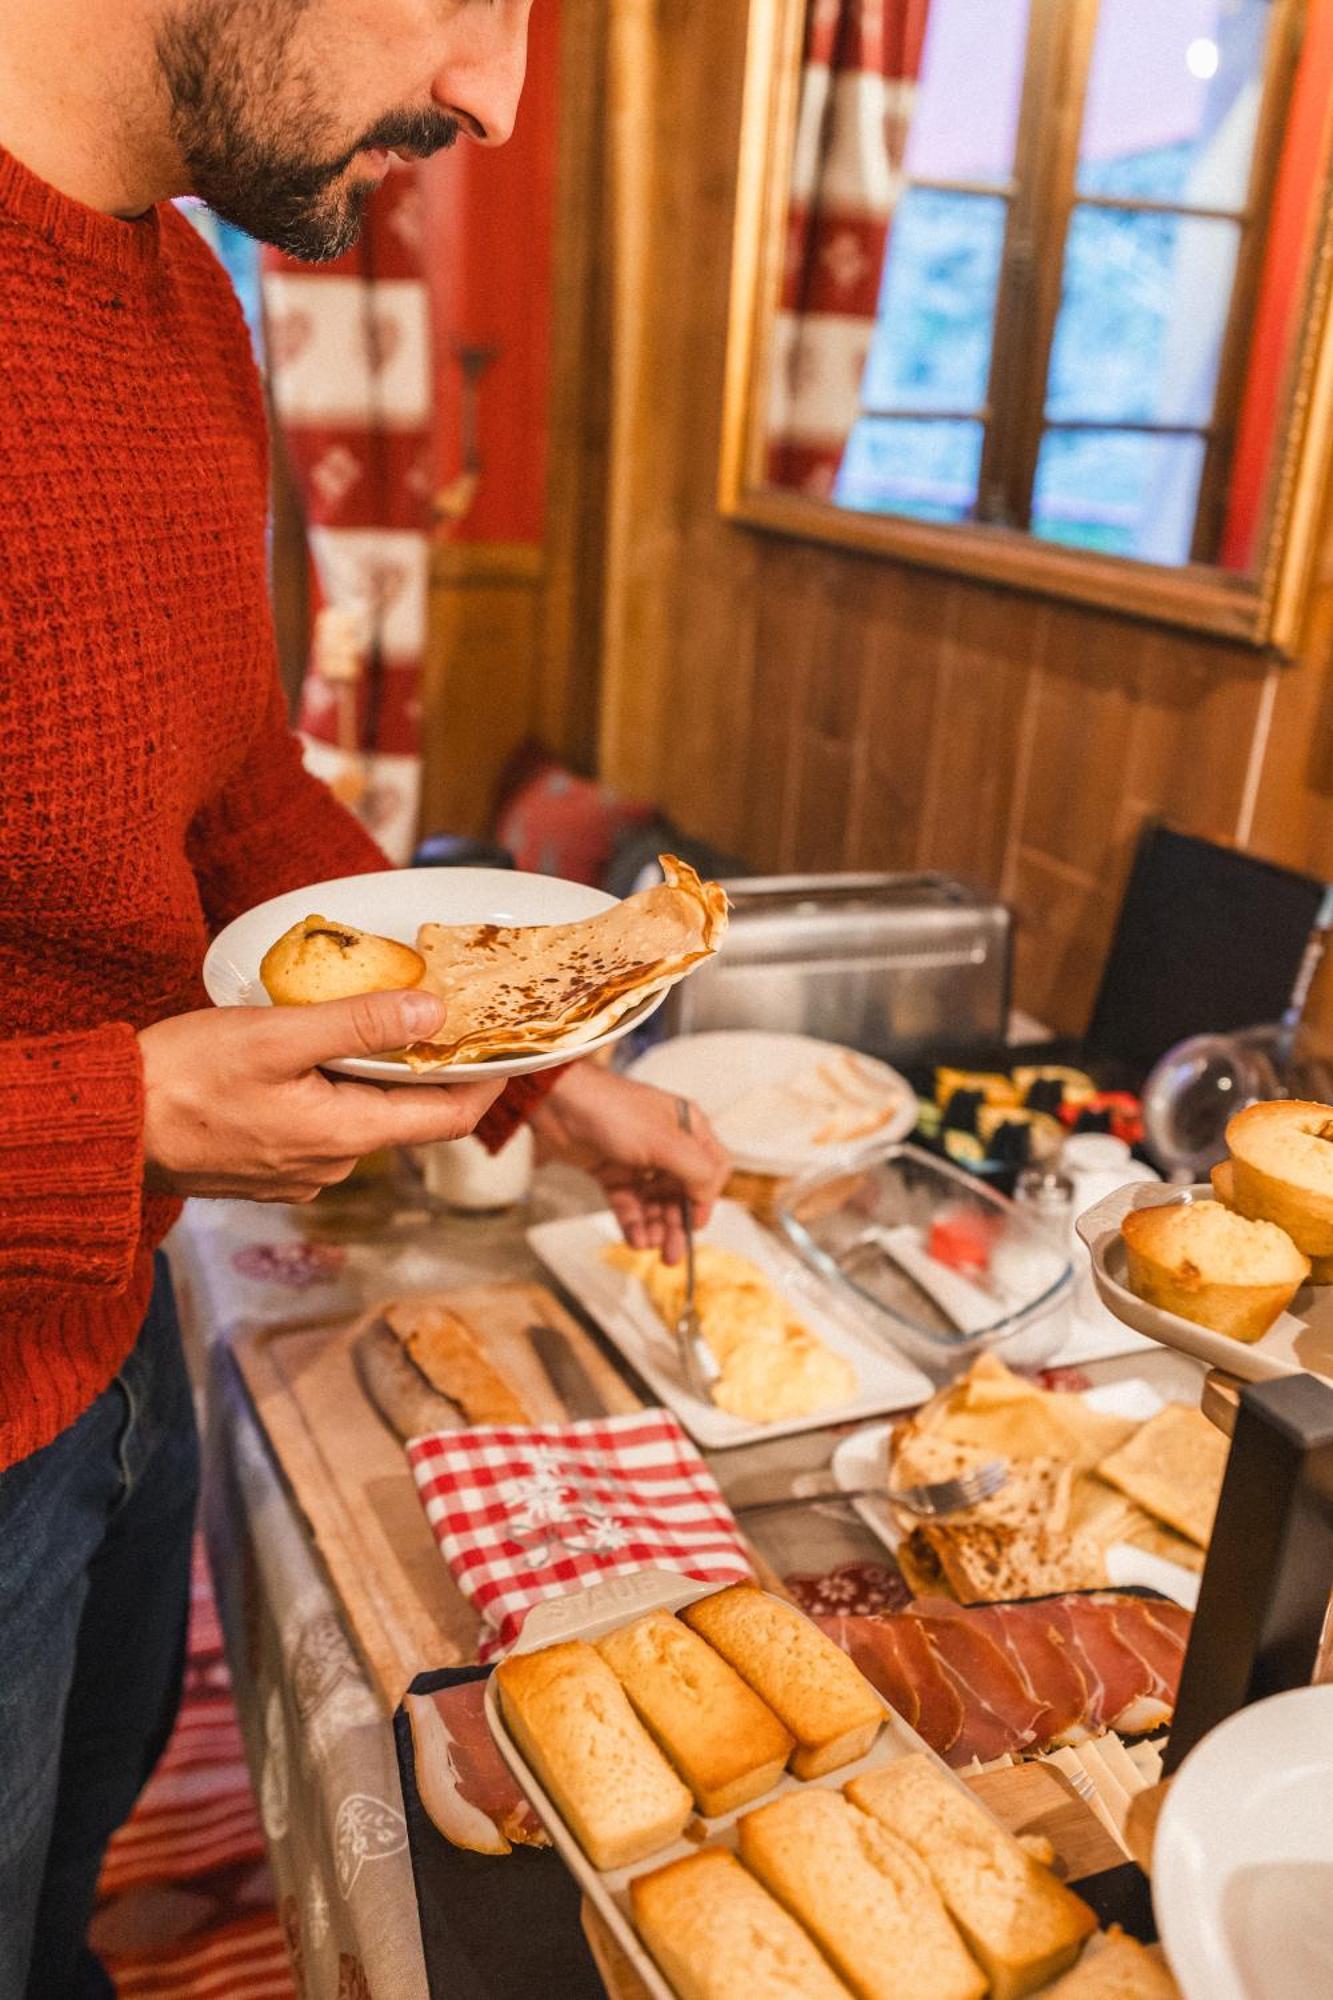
[95,1535]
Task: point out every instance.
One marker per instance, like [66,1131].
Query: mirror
[1038,290]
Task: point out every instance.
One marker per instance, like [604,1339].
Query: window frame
[1262,608]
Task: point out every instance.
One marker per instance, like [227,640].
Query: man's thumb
[367,1024]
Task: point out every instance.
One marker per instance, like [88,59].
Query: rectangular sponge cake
[1019,1922]
[813,1688]
[864,1897]
[726,1745]
[716,1934]
[570,1717]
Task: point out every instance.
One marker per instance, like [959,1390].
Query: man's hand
[631,1138]
[235,1103]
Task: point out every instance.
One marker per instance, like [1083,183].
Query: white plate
[859,1461]
[396,903]
[750,1085]
[1242,1876]
[1299,1341]
[572,1249]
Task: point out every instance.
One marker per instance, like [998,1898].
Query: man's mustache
[418,133]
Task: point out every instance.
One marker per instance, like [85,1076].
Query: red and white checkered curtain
[349,356]
[858,89]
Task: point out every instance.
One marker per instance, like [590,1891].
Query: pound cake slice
[1020,1923]
[715,1933]
[571,1719]
[863,1895]
[725,1743]
[811,1686]
[1117,1968]
[1197,1259]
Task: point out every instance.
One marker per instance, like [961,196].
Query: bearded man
[149,791]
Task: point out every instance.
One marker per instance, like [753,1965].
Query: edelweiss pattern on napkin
[525,1514]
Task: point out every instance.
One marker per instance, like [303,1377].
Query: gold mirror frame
[1261,609]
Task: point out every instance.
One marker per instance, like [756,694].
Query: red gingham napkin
[524,1514]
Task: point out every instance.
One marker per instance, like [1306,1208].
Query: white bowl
[395,904]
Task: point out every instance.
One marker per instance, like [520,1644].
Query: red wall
[488,218]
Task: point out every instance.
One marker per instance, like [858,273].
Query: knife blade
[566,1373]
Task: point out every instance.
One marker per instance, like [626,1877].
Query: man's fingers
[369,1024]
[421,1115]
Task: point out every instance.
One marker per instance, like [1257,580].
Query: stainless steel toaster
[900,966]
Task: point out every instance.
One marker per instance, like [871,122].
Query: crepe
[516,991]
[1173,1466]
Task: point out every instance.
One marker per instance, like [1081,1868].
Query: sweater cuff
[71,1159]
[515,1104]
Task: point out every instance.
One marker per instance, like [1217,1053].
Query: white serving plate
[1242,1876]
[572,1249]
[740,1078]
[860,1461]
[1299,1340]
[588,1614]
[395,904]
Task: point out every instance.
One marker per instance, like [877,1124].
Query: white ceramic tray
[573,1250]
[395,904]
[588,1614]
[1299,1340]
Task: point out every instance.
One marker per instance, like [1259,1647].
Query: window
[1064,312]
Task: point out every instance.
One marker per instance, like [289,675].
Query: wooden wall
[815,709]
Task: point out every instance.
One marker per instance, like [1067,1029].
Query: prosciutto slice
[997,1700]
[983,1680]
[464,1784]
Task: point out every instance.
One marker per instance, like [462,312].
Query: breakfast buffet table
[314,1710]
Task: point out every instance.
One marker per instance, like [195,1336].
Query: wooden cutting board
[352,1482]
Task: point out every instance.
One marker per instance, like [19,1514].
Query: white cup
[461,1174]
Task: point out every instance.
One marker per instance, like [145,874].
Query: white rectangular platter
[573,1251]
[1299,1341]
[588,1614]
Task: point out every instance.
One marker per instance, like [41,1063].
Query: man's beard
[261,152]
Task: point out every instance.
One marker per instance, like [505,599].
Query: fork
[941,1496]
[950,1496]
[689,1333]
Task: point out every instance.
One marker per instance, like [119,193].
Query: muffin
[1199,1260]
[1282,1169]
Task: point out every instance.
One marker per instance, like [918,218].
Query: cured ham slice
[983,1680]
[998,1702]
[463,1782]
[1047,1667]
[1128,1697]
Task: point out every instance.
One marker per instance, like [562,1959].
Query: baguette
[829,1707]
[1021,1924]
[715,1933]
[864,1897]
[571,1719]
[726,1745]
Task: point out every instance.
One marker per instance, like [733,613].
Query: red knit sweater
[149,787]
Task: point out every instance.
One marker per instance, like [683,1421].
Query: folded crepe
[535,989]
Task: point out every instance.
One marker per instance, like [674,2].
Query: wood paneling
[812,707]
[480,690]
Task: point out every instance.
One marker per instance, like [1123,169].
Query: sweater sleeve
[273,826]
[71,1160]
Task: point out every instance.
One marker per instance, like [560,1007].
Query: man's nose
[481,76]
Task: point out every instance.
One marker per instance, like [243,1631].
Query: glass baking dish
[933,1261]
